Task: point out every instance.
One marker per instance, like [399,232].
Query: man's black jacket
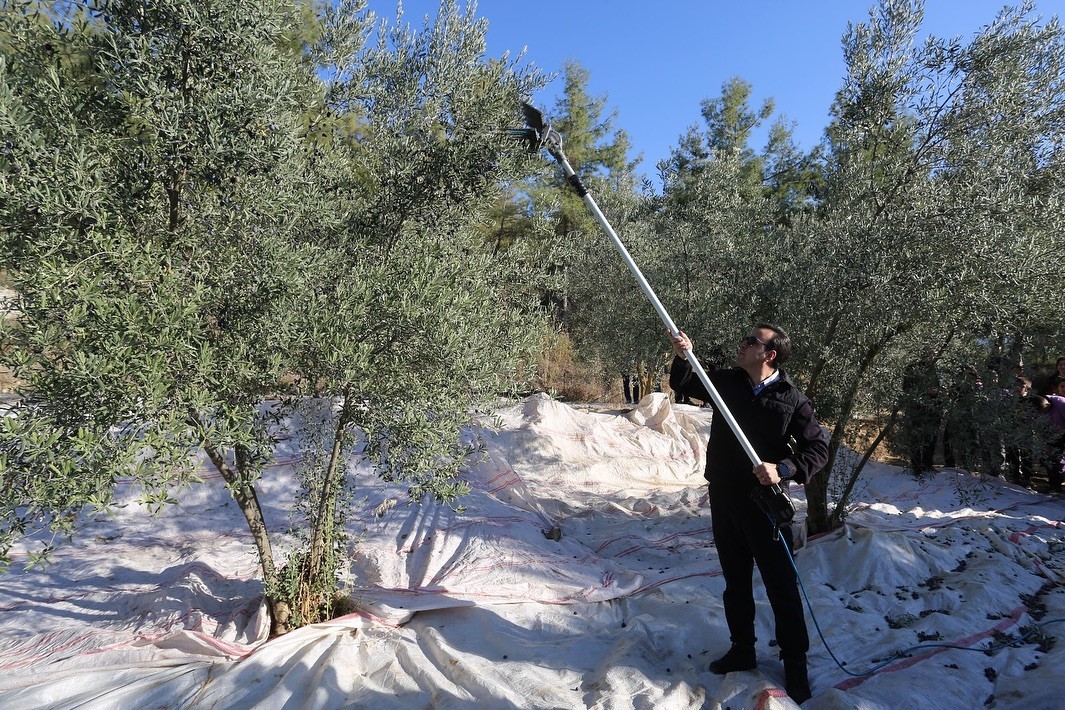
[779,413]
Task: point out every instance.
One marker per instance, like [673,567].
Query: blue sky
[656,61]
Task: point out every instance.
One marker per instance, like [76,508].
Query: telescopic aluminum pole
[545,137]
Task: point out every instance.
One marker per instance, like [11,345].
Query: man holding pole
[770,411]
[778,421]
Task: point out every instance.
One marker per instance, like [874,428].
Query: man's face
[1061,389]
[753,351]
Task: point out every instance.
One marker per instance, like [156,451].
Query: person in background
[1050,384]
[1053,407]
[631,384]
[771,412]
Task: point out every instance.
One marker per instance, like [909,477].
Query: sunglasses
[751,340]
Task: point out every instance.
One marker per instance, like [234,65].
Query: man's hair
[780,342]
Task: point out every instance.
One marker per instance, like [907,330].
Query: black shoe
[738,658]
[796,680]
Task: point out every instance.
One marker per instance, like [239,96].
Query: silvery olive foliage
[214,213]
[940,216]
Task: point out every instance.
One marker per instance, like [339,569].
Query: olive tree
[216,214]
[940,212]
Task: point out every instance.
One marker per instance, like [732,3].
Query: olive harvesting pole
[537,136]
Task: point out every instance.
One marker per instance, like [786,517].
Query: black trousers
[744,537]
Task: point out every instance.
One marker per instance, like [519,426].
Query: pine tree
[598,153]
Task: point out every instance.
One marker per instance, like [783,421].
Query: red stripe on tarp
[967,641]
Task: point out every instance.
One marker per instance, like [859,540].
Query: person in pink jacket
[1053,407]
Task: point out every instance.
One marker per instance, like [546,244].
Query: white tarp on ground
[483,609]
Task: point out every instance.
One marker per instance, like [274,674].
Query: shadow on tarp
[121,598]
[461,657]
[351,662]
[607,551]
